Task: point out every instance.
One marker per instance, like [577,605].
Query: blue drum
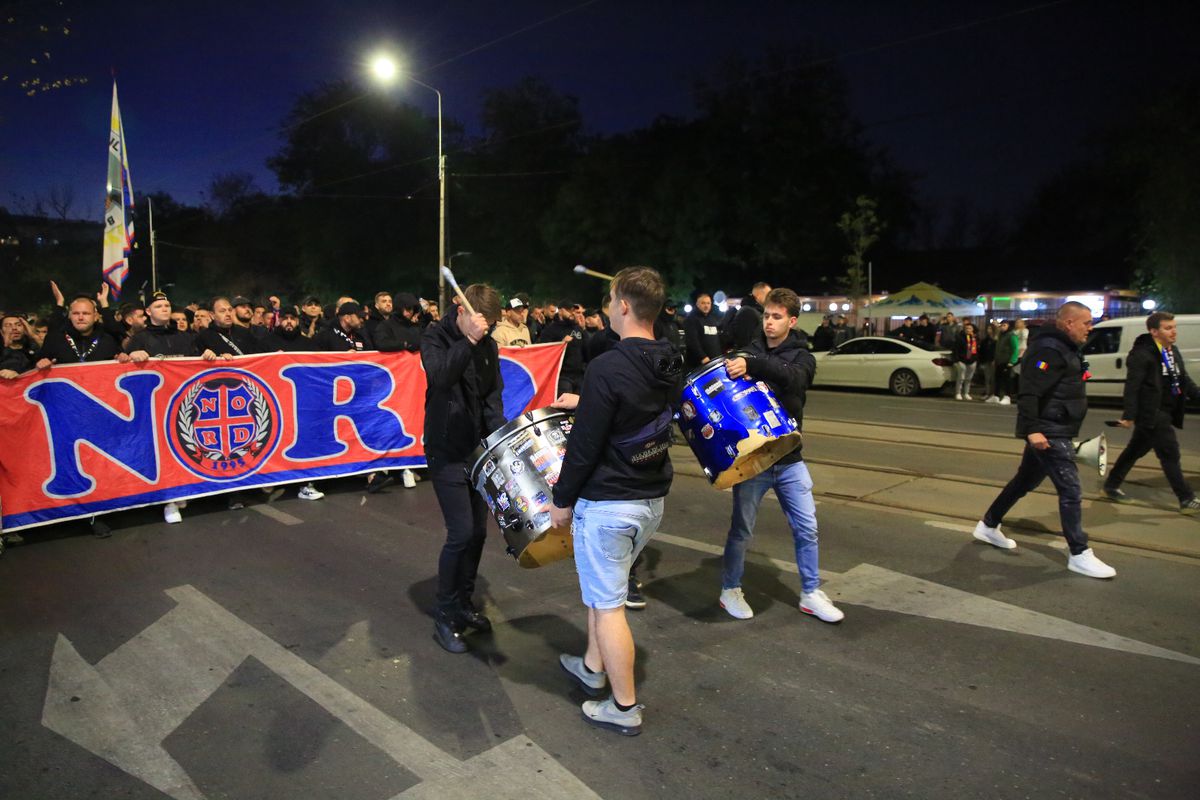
[735,426]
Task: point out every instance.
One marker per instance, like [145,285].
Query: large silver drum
[515,469]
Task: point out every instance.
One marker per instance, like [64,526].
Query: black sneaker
[13,539]
[447,634]
[1189,506]
[100,528]
[1116,495]
[471,617]
[377,481]
[634,597]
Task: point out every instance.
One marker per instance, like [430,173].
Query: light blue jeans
[793,487]
[609,534]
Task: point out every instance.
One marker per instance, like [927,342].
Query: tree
[862,229]
[61,199]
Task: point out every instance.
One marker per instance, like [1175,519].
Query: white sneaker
[1086,563]
[820,606]
[967,396]
[171,513]
[733,601]
[410,480]
[310,492]
[992,399]
[1004,401]
[993,536]
[958,395]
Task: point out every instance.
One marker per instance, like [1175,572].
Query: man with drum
[614,477]
[463,405]
[780,359]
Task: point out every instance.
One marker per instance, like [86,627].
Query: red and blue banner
[84,439]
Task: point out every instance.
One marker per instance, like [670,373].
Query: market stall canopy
[923,298]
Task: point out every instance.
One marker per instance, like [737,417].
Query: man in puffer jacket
[1050,411]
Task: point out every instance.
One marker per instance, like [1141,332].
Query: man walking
[1050,410]
[779,358]
[1156,388]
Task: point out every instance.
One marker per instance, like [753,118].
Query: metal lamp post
[386,70]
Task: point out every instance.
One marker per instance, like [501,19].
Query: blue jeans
[1058,463]
[609,535]
[793,486]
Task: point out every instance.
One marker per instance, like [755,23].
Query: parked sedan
[875,362]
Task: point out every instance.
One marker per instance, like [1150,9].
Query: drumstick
[449,276]
[580,269]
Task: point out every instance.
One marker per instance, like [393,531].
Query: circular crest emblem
[223,424]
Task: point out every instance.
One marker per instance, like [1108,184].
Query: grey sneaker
[591,682]
[605,714]
[1189,506]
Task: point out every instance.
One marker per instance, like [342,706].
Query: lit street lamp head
[384,68]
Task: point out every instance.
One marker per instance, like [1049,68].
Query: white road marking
[885,590]
[271,512]
[124,707]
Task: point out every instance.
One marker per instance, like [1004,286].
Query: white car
[876,362]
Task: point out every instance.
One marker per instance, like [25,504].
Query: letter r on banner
[317,410]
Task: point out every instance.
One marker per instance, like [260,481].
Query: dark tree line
[751,186]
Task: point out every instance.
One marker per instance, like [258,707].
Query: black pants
[1058,462]
[1003,380]
[466,515]
[1161,439]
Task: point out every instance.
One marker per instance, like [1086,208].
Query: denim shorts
[609,534]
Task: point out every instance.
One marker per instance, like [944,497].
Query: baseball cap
[240,300]
[517,302]
[349,308]
[288,311]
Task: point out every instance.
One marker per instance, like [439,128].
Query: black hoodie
[788,369]
[625,390]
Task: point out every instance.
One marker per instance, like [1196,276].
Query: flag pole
[153,248]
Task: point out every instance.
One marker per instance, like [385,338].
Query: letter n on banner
[75,417]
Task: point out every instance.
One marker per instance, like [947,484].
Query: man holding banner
[463,405]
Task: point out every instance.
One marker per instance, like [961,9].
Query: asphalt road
[293,658]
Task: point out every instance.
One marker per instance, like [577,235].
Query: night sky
[982,99]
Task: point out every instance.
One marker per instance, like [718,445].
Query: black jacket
[746,325]
[99,345]
[463,395]
[701,333]
[1147,390]
[625,391]
[1053,398]
[335,340]
[18,359]
[280,340]
[822,338]
[163,341]
[961,349]
[233,341]
[600,342]
[571,373]
[396,334]
[788,369]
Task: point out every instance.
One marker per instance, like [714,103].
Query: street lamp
[386,71]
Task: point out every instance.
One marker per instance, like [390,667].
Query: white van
[1109,344]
